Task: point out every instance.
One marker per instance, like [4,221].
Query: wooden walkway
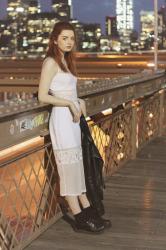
[135,200]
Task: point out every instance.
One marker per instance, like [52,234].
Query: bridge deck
[135,199]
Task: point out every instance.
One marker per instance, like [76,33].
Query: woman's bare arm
[82,106]
[49,70]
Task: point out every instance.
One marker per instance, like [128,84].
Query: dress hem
[84,191]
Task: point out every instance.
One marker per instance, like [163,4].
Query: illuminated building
[6,37]
[147,29]
[71,8]
[91,37]
[105,43]
[162,13]
[87,36]
[15,8]
[79,32]
[111,38]
[17,14]
[39,27]
[62,8]
[108,43]
[147,25]
[111,26]
[26,31]
[125,21]
[33,6]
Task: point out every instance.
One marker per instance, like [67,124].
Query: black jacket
[93,168]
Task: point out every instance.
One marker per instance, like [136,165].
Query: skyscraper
[162,13]
[147,26]
[71,8]
[147,30]
[33,6]
[19,12]
[14,9]
[62,8]
[17,15]
[125,20]
[111,26]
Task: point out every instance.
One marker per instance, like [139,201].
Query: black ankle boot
[94,214]
[86,224]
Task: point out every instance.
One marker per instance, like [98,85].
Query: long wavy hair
[54,52]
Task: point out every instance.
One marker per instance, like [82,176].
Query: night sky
[94,10]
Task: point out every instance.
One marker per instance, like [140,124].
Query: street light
[155,35]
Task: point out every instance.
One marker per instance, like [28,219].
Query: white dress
[66,136]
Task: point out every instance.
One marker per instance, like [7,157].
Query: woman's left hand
[82,106]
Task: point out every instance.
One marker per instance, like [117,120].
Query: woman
[58,87]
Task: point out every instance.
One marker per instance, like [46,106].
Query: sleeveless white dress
[66,136]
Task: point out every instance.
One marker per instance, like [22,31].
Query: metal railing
[28,196]
[29,186]
[120,136]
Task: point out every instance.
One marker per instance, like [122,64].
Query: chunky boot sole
[107,224]
[84,223]
[80,230]
[93,213]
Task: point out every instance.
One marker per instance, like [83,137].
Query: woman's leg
[73,204]
[92,212]
[83,222]
[84,201]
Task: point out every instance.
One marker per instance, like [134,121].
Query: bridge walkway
[135,200]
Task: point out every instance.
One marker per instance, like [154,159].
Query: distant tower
[111,26]
[71,8]
[147,26]
[14,8]
[33,6]
[17,15]
[62,8]
[125,20]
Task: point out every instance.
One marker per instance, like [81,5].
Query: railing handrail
[23,155]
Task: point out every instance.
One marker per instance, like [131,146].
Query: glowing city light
[124,11]
[20,9]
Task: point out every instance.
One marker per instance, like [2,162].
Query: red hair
[53,50]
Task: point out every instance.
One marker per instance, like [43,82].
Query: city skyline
[94,11]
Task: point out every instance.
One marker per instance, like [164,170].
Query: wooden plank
[135,202]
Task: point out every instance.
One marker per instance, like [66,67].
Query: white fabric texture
[66,137]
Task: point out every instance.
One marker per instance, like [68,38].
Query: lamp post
[155,35]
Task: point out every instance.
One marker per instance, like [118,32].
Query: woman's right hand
[75,112]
